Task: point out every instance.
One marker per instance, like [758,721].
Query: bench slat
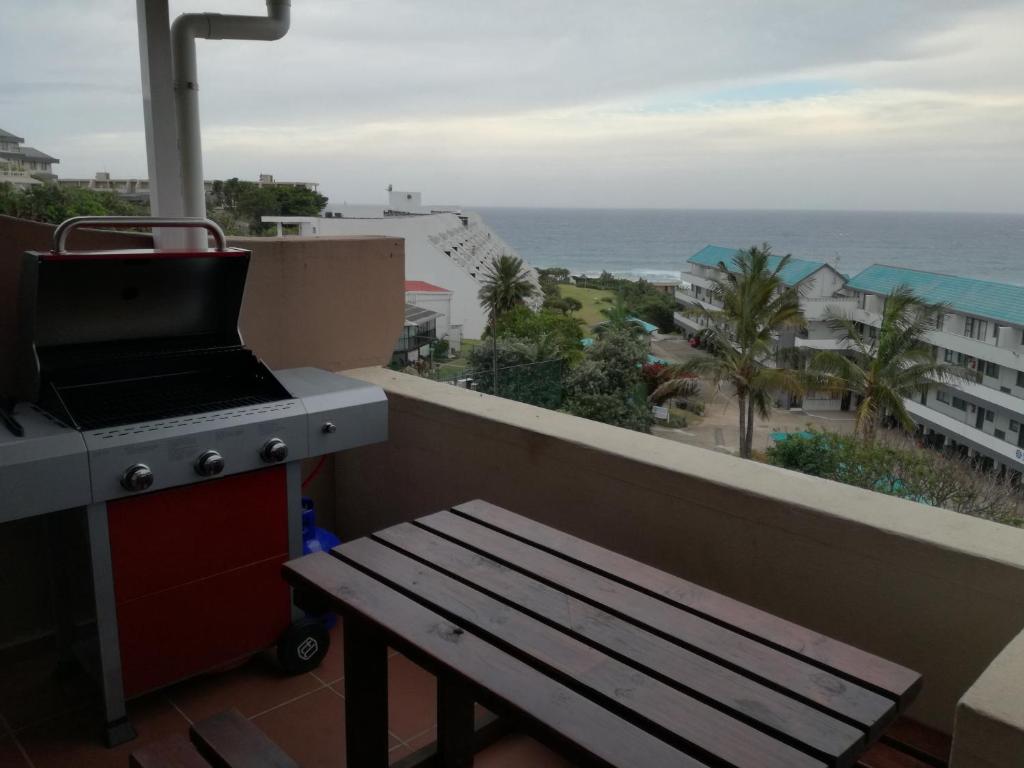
[883,756]
[609,681]
[732,691]
[172,752]
[554,709]
[895,680]
[229,740]
[772,667]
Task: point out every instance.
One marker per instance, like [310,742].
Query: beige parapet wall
[990,718]
[939,592]
[330,302]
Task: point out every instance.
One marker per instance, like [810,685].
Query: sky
[781,104]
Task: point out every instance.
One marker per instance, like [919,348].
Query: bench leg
[366,695]
[455,726]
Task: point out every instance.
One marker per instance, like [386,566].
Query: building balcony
[965,433]
[935,591]
[818,308]
[697,280]
[689,299]
[1009,357]
[989,396]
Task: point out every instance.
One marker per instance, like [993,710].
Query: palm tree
[675,383]
[895,364]
[506,284]
[617,317]
[755,305]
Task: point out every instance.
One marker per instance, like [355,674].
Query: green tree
[54,204]
[672,382]
[896,467]
[527,373]
[240,205]
[608,384]
[554,334]
[756,306]
[617,317]
[506,285]
[572,305]
[896,364]
[656,308]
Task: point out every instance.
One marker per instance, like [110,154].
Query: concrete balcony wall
[328,302]
[939,592]
[990,717]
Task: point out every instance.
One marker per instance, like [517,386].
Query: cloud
[904,104]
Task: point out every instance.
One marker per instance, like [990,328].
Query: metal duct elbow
[273,26]
[212,26]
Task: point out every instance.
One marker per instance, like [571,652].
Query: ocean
[657,243]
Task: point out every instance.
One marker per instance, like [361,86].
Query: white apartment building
[22,166]
[444,246]
[819,285]
[983,330]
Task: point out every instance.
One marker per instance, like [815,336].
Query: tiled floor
[45,721]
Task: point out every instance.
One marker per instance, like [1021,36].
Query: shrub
[897,467]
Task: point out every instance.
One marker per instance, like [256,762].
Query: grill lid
[114,337]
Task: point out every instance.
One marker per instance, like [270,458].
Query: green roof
[794,272]
[996,301]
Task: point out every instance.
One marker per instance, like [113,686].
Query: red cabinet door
[197,575]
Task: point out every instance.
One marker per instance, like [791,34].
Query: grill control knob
[274,450]
[209,463]
[138,477]
[329,428]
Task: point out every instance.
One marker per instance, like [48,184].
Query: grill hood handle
[60,235]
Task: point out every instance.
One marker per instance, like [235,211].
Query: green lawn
[590,298]
[451,368]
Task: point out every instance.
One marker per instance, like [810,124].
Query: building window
[948,356]
[960,405]
[982,330]
[1020,378]
[942,396]
[1014,426]
[968,326]
[1000,434]
[990,415]
[991,369]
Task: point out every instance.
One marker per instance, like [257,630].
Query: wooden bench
[225,740]
[606,660]
[906,744]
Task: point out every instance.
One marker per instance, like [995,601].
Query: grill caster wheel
[303,646]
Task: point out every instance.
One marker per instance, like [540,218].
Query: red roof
[423,287]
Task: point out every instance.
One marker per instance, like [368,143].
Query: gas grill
[138,402]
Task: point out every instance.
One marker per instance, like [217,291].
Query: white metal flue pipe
[211,26]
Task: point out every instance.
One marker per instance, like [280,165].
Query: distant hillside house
[419,293]
[23,166]
[444,245]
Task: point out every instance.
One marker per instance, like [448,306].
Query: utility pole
[494,349]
